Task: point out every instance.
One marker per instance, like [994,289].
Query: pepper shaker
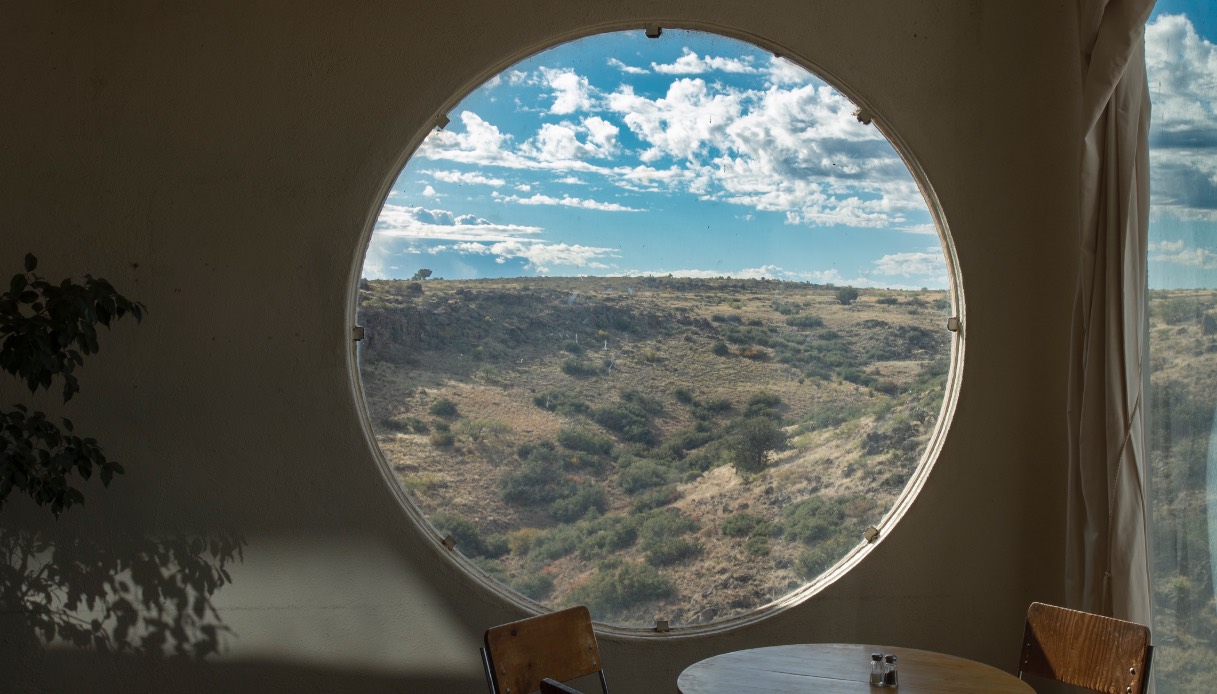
[890,677]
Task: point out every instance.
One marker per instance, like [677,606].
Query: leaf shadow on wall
[129,594]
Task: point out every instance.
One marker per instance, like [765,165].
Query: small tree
[847,295]
[47,330]
[752,441]
[422,274]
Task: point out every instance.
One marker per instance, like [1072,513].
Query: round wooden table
[841,667]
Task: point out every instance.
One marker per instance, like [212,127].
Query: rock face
[393,333]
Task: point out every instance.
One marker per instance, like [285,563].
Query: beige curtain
[1107,553]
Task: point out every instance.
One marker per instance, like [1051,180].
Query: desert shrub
[607,534]
[441,439]
[741,524]
[468,540]
[725,318]
[755,354]
[561,402]
[443,408]
[576,506]
[786,308]
[617,587]
[536,586]
[577,439]
[752,439]
[757,546]
[814,561]
[422,483]
[520,541]
[762,403]
[579,369]
[480,429]
[555,543]
[627,419]
[717,405]
[573,348]
[661,537]
[846,295]
[655,498]
[720,348]
[538,479]
[857,376]
[683,395]
[812,520]
[643,474]
[648,404]
[686,440]
[887,301]
[807,321]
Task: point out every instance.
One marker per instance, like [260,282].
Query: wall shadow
[114,593]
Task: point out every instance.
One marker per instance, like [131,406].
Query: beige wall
[221,162]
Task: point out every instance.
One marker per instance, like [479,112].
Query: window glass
[1181,60]
[656,326]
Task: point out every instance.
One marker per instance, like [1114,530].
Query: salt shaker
[890,677]
[876,669]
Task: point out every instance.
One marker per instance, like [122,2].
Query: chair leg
[488,671]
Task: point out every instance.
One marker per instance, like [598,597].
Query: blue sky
[691,155]
[698,155]
[1181,60]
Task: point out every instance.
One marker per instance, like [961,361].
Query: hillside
[685,449]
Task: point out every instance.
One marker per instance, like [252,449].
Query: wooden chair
[549,686]
[1086,650]
[559,646]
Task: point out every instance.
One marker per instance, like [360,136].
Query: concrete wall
[222,162]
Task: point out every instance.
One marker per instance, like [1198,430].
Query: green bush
[561,402]
[616,588]
[577,368]
[807,321]
[720,348]
[627,419]
[847,295]
[813,519]
[655,498]
[442,439]
[576,506]
[741,524]
[535,586]
[643,474]
[555,543]
[538,479]
[577,439]
[757,546]
[443,408]
[752,440]
[661,538]
[683,395]
[468,540]
[816,560]
[608,534]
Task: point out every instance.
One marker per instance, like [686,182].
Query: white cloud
[571,91]
[540,256]
[566,201]
[781,72]
[1176,252]
[1182,69]
[463,177]
[690,64]
[628,69]
[517,77]
[680,124]
[930,264]
[559,143]
[399,221]
[429,192]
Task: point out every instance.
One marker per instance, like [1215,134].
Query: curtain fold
[1107,553]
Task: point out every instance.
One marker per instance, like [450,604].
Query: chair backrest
[559,645]
[1086,650]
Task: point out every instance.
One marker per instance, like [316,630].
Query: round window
[655,325]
